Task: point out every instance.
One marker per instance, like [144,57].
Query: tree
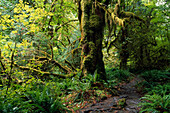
[92,23]
[46,27]
[41,35]
[144,44]
[151,38]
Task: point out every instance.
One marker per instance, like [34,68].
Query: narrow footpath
[126,102]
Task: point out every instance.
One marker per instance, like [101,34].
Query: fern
[155,103]
[155,76]
[121,75]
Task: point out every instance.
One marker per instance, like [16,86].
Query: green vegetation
[157,100]
[153,78]
[119,75]
[53,53]
[37,97]
[156,86]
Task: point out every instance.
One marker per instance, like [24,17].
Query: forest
[84,56]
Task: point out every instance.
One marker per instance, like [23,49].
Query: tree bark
[92,23]
[124,53]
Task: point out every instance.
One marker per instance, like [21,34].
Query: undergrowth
[50,95]
[153,78]
[157,100]
[119,75]
[157,92]
[55,94]
[36,96]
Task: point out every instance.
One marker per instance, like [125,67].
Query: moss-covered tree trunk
[124,53]
[92,23]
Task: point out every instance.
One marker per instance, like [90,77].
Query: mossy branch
[124,14]
[75,51]
[119,17]
[64,68]
[43,72]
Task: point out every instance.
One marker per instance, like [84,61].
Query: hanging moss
[93,48]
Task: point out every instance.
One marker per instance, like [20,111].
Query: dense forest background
[59,55]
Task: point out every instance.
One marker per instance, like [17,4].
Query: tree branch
[64,68]
[66,61]
[43,72]
[3,66]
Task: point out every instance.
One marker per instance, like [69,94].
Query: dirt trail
[126,102]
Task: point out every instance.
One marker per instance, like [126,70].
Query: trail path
[126,102]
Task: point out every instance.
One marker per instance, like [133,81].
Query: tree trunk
[124,54]
[92,23]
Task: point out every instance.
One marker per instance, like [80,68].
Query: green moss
[90,34]
[90,31]
[122,102]
[95,22]
[87,60]
[88,63]
[92,48]
[91,45]
[127,14]
[90,58]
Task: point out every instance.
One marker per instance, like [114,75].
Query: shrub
[31,97]
[120,75]
[155,76]
[157,100]
[160,89]
[155,103]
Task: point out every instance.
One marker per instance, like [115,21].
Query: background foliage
[40,56]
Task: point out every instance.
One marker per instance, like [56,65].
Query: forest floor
[126,101]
